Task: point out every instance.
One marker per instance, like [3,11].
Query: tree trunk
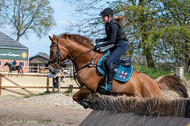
[148,55]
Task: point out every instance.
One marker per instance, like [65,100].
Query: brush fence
[144,106]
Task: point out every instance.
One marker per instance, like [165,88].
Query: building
[39,63]
[10,50]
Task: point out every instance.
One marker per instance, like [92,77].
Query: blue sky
[64,16]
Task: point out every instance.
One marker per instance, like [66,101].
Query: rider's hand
[98,40]
[96,47]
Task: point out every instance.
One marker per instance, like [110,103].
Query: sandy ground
[16,111]
[51,110]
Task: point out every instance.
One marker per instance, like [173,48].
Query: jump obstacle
[132,111]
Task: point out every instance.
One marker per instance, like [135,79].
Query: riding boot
[109,77]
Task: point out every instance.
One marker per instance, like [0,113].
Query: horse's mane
[79,39]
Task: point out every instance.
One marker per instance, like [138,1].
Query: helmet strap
[109,18]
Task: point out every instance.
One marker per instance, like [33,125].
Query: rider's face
[105,18]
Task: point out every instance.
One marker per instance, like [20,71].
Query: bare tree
[28,15]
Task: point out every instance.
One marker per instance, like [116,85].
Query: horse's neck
[81,60]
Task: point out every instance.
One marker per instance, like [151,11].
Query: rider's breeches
[116,52]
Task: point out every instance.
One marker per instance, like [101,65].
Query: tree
[174,33]
[25,16]
[157,29]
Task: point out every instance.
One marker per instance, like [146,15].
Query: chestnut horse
[79,50]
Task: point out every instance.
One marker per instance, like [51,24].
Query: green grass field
[156,72]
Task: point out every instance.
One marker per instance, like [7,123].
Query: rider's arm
[113,35]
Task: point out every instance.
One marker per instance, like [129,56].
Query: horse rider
[14,63]
[116,36]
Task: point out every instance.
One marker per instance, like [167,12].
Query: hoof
[84,104]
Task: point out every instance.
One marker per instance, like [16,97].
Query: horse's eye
[51,52]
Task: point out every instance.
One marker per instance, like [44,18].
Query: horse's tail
[170,82]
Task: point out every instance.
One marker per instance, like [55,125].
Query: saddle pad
[123,74]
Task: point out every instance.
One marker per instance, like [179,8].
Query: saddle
[122,68]
[13,67]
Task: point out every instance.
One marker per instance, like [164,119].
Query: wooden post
[53,85]
[70,88]
[47,84]
[59,80]
[0,84]
[180,72]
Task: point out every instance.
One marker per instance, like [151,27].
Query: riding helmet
[107,11]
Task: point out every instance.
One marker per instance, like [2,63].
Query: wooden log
[18,85]
[30,75]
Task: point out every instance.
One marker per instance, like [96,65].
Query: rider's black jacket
[114,33]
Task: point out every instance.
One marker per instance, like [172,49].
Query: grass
[152,72]
[187,75]
[45,93]
[44,121]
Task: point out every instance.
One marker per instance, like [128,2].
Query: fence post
[59,80]
[0,83]
[47,84]
[70,88]
[180,72]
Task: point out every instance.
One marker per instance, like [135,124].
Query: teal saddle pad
[123,73]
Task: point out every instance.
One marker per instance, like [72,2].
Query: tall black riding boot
[109,77]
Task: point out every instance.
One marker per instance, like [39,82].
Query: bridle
[57,55]
[73,59]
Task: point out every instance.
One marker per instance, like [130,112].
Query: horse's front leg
[78,97]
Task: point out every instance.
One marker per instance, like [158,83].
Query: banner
[17,54]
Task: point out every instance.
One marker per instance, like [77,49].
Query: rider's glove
[96,47]
[98,40]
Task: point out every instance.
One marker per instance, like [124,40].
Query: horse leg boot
[78,97]
[109,77]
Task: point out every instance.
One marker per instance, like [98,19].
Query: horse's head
[6,64]
[58,54]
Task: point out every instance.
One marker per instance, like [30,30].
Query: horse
[79,50]
[11,68]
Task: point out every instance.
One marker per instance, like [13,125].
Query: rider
[116,36]
[14,63]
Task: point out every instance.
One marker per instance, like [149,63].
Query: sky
[64,14]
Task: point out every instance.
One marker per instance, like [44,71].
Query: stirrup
[107,87]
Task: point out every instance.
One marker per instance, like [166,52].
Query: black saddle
[124,62]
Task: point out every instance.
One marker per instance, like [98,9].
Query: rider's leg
[115,55]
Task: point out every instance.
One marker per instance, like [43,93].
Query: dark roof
[46,57]
[42,55]
[8,42]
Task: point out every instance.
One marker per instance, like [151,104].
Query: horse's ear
[54,36]
[50,38]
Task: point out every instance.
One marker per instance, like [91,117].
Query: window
[0,63]
[22,64]
[11,62]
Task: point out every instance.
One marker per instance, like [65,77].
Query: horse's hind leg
[80,95]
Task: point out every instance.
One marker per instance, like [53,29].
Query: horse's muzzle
[53,70]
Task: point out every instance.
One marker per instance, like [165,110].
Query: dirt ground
[16,111]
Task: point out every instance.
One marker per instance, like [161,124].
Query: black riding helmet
[107,11]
